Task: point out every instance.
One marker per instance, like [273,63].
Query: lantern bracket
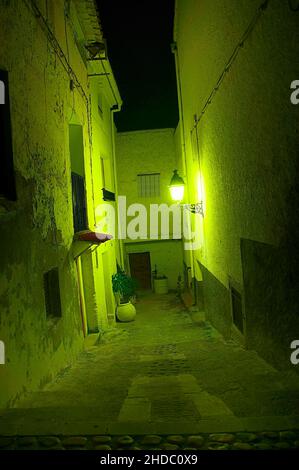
[196,208]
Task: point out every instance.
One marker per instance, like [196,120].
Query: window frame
[7,176]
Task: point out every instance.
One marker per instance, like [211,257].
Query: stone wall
[150,151]
[247,158]
[36,231]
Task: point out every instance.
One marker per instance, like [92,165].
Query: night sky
[139,34]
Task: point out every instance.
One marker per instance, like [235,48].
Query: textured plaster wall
[37,231]
[150,151]
[248,141]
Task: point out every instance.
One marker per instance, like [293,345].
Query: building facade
[57,148]
[145,161]
[239,153]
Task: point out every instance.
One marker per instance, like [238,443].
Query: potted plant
[124,287]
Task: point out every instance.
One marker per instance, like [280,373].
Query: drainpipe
[174,49]
[181,109]
[115,109]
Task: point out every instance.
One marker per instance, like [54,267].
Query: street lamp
[97,50]
[177,188]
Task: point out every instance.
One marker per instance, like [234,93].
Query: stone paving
[166,373]
[286,440]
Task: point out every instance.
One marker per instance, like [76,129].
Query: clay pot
[126,312]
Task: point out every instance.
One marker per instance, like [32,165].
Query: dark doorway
[76,146]
[7,176]
[140,268]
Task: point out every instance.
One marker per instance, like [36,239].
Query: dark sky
[139,34]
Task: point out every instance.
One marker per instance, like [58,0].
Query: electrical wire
[110,84]
[232,58]
[67,67]
[56,47]
[66,35]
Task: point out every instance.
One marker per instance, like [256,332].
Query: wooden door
[140,267]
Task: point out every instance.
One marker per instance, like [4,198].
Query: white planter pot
[126,312]
[161,286]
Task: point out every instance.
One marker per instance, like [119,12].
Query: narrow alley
[149,227]
[167,373]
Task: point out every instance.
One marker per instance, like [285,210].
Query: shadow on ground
[163,375]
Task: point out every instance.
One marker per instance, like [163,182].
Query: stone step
[88,421]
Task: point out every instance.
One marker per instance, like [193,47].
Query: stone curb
[274,440]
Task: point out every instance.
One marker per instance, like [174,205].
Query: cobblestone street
[167,380]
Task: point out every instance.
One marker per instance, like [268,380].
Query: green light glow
[177,187]
[177,193]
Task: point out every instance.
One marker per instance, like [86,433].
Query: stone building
[239,155]
[57,149]
[145,161]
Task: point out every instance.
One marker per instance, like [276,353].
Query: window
[79,203]
[148,185]
[7,179]
[78,181]
[52,293]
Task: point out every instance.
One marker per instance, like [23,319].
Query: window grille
[7,177]
[79,203]
[148,185]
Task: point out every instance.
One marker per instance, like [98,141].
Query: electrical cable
[66,65]
[232,58]
[110,84]
[56,47]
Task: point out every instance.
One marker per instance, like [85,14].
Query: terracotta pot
[161,286]
[126,312]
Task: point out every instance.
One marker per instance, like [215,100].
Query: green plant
[123,285]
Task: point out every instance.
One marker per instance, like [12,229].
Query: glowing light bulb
[177,187]
[177,193]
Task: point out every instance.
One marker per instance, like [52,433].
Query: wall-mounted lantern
[177,189]
[97,50]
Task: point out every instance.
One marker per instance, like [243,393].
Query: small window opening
[52,294]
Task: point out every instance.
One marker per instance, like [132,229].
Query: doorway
[76,147]
[140,268]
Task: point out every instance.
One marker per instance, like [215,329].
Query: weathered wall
[37,231]
[248,151]
[148,151]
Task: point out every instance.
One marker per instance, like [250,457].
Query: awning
[88,240]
